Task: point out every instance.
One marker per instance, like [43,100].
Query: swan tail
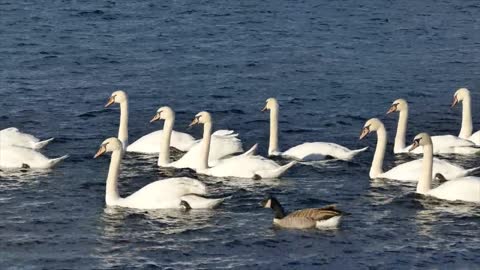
[353,153]
[55,161]
[330,223]
[472,170]
[41,144]
[252,151]
[275,172]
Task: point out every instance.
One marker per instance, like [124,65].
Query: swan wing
[448,144]
[410,171]
[18,157]
[12,136]
[464,189]
[150,143]
[475,138]
[220,147]
[165,193]
[312,151]
[242,166]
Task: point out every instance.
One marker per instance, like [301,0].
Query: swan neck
[377,162]
[425,181]
[401,131]
[273,141]
[123,129]
[111,191]
[164,155]
[205,148]
[467,127]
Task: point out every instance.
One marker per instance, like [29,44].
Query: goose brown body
[327,216]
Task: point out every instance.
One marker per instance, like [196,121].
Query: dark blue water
[331,64]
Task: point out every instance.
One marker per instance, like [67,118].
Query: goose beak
[264,108]
[111,100]
[414,145]
[194,122]
[155,118]
[455,101]
[100,151]
[364,132]
[393,108]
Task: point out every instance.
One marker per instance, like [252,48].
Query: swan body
[464,189]
[443,144]
[167,193]
[13,157]
[321,218]
[246,165]
[148,144]
[221,147]
[224,143]
[408,171]
[13,136]
[463,95]
[311,151]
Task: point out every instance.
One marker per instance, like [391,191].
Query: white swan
[310,151]
[13,136]
[444,144]
[242,166]
[464,189]
[14,157]
[408,171]
[221,146]
[148,144]
[167,193]
[463,95]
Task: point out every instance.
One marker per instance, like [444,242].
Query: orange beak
[393,108]
[364,132]
[100,151]
[111,100]
[455,101]
[155,118]
[414,145]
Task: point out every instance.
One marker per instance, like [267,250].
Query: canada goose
[320,218]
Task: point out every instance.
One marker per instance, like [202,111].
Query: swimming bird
[320,218]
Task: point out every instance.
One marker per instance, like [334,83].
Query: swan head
[118,96]
[271,104]
[460,95]
[398,105]
[421,139]
[109,145]
[201,118]
[164,113]
[371,125]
